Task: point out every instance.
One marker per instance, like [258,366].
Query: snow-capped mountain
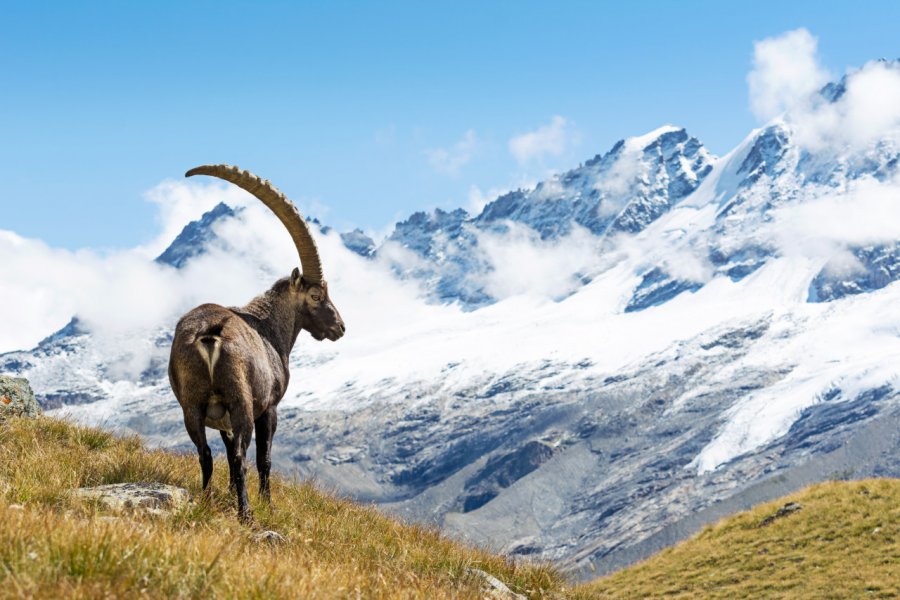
[604,362]
[624,190]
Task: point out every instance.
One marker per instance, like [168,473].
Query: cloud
[866,213]
[784,82]
[786,72]
[523,264]
[552,139]
[867,112]
[450,160]
[124,298]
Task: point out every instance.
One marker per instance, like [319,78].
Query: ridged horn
[278,203]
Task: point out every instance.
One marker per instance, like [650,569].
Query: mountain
[622,191]
[604,363]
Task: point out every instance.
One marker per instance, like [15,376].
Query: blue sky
[364,113]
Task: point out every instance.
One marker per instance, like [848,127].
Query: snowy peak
[357,241]
[418,231]
[195,237]
[765,155]
[625,189]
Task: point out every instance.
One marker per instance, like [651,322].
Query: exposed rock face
[156,498]
[17,398]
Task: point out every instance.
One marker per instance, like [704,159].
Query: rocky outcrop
[17,398]
[790,507]
[156,498]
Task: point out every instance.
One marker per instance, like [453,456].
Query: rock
[785,510]
[155,498]
[493,586]
[17,398]
[269,537]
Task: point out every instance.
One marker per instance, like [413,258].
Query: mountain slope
[53,545]
[834,540]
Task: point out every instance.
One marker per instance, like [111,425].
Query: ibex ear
[296,278]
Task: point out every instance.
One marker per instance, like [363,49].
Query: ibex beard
[229,366]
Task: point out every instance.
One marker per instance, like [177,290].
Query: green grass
[54,546]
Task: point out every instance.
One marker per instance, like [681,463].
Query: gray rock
[269,537]
[493,586]
[17,398]
[155,498]
[790,507]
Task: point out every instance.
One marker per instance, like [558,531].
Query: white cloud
[620,178]
[124,298]
[477,199]
[786,72]
[784,82]
[552,139]
[523,264]
[868,111]
[866,213]
[450,160]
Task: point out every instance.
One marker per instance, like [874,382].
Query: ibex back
[229,366]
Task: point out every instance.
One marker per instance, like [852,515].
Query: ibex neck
[275,318]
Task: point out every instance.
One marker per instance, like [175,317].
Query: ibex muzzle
[229,366]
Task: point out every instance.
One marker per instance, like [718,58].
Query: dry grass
[843,543]
[52,546]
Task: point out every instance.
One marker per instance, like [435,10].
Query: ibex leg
[242,425]
[228,440]
[265,430]
[194,423]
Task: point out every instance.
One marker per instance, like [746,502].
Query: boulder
[17,398]
[156,498]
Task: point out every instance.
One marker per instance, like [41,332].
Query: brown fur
[236,359]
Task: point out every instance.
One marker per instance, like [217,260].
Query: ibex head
[317,313]
[308,291]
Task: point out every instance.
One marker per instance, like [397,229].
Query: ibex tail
[209,345]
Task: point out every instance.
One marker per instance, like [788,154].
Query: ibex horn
[283,208]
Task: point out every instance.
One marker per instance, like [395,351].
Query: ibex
[229,366]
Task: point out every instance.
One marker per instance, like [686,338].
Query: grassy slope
[843,543]
[53,546]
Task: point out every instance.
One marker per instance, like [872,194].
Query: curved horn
[283,208]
